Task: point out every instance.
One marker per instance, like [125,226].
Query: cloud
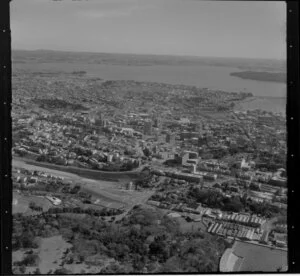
[94,14]
[116,11]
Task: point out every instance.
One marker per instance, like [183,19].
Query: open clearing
[254,258]
[21,203]
[50,253]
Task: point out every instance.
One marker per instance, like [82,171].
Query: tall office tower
[170,138]
[200,128]
[98,119]
[99,115]
[148,127]
[201,140]
[157,122]
[104,122]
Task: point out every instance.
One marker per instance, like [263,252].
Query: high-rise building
[170,138]
[200,128]
[148,128]
[157,122]
[98,119]
[104,122]
[160,138]
[201,141]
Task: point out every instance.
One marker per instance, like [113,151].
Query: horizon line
[148,54]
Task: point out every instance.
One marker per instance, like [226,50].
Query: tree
[27,240]
[30,260]
[159,249]
[22,269]
[146,152]
[41,158]
[37,271]
[75,189]
[172,265]
[62,271]
[112,268]
[234,205]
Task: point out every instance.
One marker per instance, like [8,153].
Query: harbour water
[209,76]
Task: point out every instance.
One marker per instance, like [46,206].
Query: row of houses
[185,176]
[181,207]
[230,230]
[39,173]
[238,218]
[244,219]
[197,177]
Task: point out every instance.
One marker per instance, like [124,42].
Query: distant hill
[261,76]
[49,56]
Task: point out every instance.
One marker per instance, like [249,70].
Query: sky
[248,29]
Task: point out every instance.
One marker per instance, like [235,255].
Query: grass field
[259,258]
[51,257]
[21,203]
[50,253]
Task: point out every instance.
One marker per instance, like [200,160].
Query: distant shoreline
[212,74]
[139,59]
[261,76]
[146,54]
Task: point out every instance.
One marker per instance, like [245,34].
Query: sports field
[256,258]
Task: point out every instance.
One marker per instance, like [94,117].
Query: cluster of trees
[224,107]
[58,103]
[55,186]
[48,158]
[83,151]
[280,229]
[145,241]
[146,179]
[264,209]
[215,199]
[29,260]
[35,207]
[128,166]
[89,211]
[24,239]
[79,72]
[68,189]
[120,166]
[220,153]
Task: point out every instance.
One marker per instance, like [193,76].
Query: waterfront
[203,76]
[270,104]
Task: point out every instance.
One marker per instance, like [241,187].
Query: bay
[212,77]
